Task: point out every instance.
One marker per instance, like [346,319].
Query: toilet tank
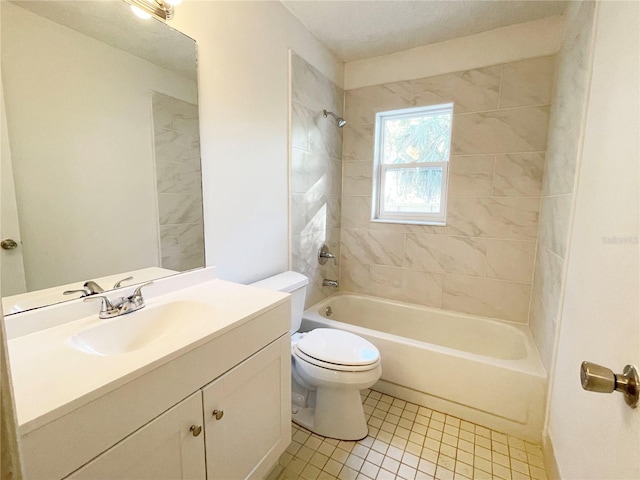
[293,283]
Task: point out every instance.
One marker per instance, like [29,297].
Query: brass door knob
[218,414]
[195,430]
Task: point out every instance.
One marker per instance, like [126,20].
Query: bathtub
[482,370]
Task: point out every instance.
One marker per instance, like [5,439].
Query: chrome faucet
[329,283]
[123,306]
[89,288]
[324,255]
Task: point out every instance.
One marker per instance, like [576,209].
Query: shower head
[339,120]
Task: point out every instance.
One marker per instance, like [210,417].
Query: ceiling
[357,29]
[112,22]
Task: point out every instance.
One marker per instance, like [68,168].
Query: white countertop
[51,378]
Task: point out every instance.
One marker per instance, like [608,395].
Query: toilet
[329,368]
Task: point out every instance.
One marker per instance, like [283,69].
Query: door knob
[596,378]
[195,430]
[8,244]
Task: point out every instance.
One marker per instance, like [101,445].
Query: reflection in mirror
[100,150]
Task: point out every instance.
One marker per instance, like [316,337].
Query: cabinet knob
[195,430]
[218,414]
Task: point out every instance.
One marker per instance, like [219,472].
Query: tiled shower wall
[565,126]
[179,182]
[316,175]
[482,261]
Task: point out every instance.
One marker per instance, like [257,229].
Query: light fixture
[161,9]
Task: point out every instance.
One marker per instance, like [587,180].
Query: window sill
[432,223]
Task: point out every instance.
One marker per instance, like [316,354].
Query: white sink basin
[140,329]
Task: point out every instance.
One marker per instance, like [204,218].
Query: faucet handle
[92,287]
[83,291]
[138,291]
[118,284]
[107,310]
[136,297]
[324,255]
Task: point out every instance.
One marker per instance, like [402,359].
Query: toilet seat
[337,350]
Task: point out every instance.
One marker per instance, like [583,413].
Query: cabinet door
[164,449]
[253,423]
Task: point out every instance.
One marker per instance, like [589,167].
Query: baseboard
[550,462]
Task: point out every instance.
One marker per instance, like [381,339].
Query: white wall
[57,81]
[596,435]
[243,80]
[502,45]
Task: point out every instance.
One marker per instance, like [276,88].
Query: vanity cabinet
[137,426]
[244,412]
[246,423]
[164,449]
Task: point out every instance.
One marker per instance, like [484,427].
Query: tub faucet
[329,283]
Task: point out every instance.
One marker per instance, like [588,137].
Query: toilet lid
[338,348]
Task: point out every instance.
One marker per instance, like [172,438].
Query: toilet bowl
[329,368]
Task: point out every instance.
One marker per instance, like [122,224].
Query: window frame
[378,214]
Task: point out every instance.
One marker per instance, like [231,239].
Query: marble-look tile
[357,143]
[325,137]
[177,208]
[510,260]
[487,297]
[527,82]
[314,173]
[170,113]
[189,237]
[554,223]
[192,237]
[184,261]
[179,177]
[313,89]
[314,213]
[362,104]
[443,254]
[501,131]
[372,247]
[569,101]
[177,147]
[301,124]
[413,286]
[357,178]
[519,174]
[471,176]
[355,277]
[470,90]
[169,245]
[356,211]
[493,217]
[545,301]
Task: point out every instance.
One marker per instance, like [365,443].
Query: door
[12,271]
[167,448]
[247,415]
[596,435]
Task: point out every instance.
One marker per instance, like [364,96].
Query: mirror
[100,170]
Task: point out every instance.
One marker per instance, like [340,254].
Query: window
[411,165]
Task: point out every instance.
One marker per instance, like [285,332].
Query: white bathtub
[480,369]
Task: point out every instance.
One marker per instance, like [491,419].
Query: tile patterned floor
[410,442]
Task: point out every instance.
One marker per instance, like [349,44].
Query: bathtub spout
[329,283]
